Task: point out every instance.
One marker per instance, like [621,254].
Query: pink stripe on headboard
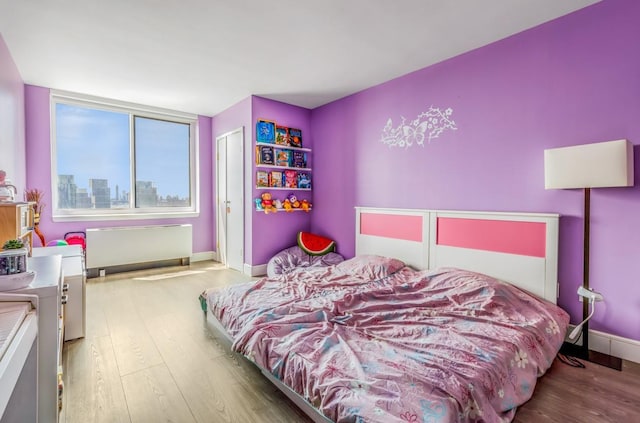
[505,236]
[393,226]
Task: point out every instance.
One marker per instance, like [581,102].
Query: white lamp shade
[597,165]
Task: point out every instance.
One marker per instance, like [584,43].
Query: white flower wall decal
[428,125]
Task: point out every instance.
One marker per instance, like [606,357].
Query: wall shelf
[305,169]
[284,189]
[283,210]
[284,147]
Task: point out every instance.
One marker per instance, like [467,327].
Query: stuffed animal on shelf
[259,204]
[295,203]
[267,203]
[286,204]
[277,204]
[305,205]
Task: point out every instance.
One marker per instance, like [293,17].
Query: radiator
[137,244]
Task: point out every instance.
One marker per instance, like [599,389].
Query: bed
[441,317]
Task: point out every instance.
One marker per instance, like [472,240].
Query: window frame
[132,110]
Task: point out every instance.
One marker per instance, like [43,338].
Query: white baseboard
[259,270]
[614,345]
[204,256]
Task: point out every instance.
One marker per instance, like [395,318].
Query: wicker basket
[13,261]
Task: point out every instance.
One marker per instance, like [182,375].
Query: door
[230,203]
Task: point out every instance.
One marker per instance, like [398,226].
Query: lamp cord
[572,361]
[569,360]
[593,310]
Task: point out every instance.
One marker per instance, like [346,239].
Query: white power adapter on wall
[589,294]
[593,297]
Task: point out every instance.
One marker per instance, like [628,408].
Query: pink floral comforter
[369,340]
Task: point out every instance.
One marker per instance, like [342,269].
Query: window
[113,160]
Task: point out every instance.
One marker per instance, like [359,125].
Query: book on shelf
[298,158]
[264,155]
[295,137]
[282,135]
[304,180]
[262,179]
[290,179]
[275,179]
[283,157]
[265,131]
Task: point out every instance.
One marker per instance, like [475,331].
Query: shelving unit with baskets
[16,222]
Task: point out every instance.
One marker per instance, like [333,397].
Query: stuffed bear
[267,203]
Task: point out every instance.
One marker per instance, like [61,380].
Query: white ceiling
[202,56]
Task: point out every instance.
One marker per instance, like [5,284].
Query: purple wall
[265,235]
[274,232]
[571,81]
[236,116]
[204,225]
[38,136]
[12,140]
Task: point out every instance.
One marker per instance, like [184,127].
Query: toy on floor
[311,251]
[57,243]
[76,238]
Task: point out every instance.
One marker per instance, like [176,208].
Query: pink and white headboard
[520,248]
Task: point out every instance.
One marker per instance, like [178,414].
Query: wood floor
[148,357]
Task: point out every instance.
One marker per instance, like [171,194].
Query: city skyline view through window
[94,153]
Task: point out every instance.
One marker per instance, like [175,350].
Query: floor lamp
[598,165]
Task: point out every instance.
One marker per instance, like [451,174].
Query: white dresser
[74,287]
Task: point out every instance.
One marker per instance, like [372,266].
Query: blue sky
[94,144]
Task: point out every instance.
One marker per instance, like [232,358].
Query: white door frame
[220,209]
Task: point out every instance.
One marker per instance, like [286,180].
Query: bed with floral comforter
[370,340]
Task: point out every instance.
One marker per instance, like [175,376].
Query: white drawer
[74,312]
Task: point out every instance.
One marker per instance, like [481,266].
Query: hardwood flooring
[148,357]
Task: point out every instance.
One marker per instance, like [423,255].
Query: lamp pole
[585,270]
